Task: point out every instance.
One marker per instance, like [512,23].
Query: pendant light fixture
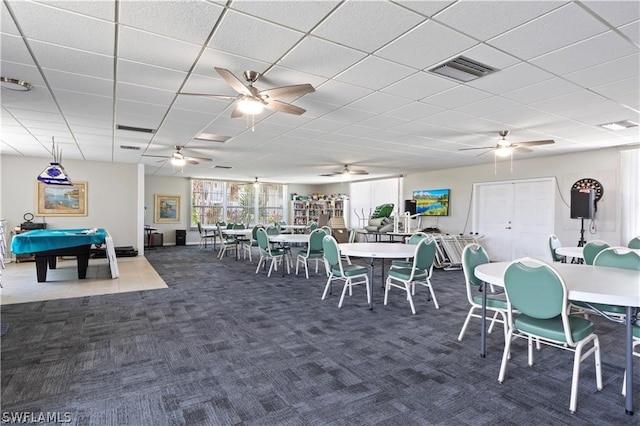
[256,184]
[55,174]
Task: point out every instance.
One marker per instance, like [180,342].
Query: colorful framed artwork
[167,208]
[432,202]
[61,200]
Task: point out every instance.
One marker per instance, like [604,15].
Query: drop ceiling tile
[522,117]
[379,102]
[414,111]
[337,92]
[302,16]
[378,22]
[512,78]
[205,104]
[187,21]
[35,101]
[557,103]
[445,118]
[458,96]
[419,85]
[471,17]
[623,68]
[349,115]
[280,76]
[99,9]
[596,50]
[427,45]
[14,50]
[56,26]
[356,130]
[149,76]
[632,31]
[623,12]
[561,27]
[618,89]
[139,114]
[253,38]
[414,128]
[381,122]
[489,56]
[73,61]
[7,26]
[236,64]
[324,125]
[319,57]
[374,73]
[427,8]
[487,105]
[133,92]
[151,49]
[78,83]
[541,91]
[28,73]
[201,118]
[83,104]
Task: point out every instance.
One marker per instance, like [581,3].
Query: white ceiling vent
[135,129]
[131,147]
[463,69]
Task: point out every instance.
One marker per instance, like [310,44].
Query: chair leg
[530,349]
[433,295]
[327,288]
[347,283]
[505,356]
[407,287]
[386,290]
[466,323]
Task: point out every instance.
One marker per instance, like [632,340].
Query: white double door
[515,218]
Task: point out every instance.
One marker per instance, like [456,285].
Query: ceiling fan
[346,171]
[179,159]
[504,148]
[251,101]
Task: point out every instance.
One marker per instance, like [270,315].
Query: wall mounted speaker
[582,204]
[410,206]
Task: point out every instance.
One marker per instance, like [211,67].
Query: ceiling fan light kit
[250,106]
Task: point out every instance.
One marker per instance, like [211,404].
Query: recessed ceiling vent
[131,147]
[135,129]
[463,69]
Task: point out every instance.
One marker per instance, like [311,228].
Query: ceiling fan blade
[156,156]
[284,107]
[233,81]
[207,95]
[534,143]
[198,158]
[191,161]
[331,174]
[522,149]
[486,152]
[288,91]
[358,172]
[479,147]
[236,112]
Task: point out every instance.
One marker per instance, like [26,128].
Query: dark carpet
[224,346]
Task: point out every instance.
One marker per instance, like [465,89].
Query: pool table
[47,244]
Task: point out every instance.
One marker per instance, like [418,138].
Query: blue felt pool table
[47,244]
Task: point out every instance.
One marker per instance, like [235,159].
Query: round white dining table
[578,252]
[377,251]
[585,283]
[290,238]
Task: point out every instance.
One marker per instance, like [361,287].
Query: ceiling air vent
[222,167]
[135,129]
[463,69]
[131,147]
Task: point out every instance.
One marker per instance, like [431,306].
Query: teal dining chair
[414,239]
[538,292]
[591,250]
[313,251]
[350,275]
[418,274]
[634,243]
[268,253]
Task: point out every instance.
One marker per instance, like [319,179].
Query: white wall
[163,185]
[111,196]
[603,165]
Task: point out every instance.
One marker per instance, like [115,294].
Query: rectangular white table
[578,252]
[585,283]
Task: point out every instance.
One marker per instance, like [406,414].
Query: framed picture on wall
[61,200]
[167,208]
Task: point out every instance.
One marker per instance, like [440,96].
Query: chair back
[312,225]
[618,257]
[473,255]
[634,243]
[417,237]
[327,229]
[315,240]
[331,251]
[254,232]
[199,228]
[535,289]
[591,250]
[263,241]
[424,255]
[554,243]
[272,230]
[239,226]
[352,236]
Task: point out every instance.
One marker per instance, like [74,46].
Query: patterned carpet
[225,346]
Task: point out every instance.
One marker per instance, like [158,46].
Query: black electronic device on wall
[582,204]
[410,206]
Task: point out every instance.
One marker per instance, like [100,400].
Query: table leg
[53,262]
[41,268]
[628,403]
[83,264]
[483,331]
[371,283]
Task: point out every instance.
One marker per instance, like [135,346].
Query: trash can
[181,237]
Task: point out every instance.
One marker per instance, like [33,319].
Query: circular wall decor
[589,183]
[28,217]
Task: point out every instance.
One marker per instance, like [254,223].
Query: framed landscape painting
[61,200]
[167,208]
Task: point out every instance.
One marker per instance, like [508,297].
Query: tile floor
[19,283]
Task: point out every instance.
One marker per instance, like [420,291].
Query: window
[366,196]
[236,202]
